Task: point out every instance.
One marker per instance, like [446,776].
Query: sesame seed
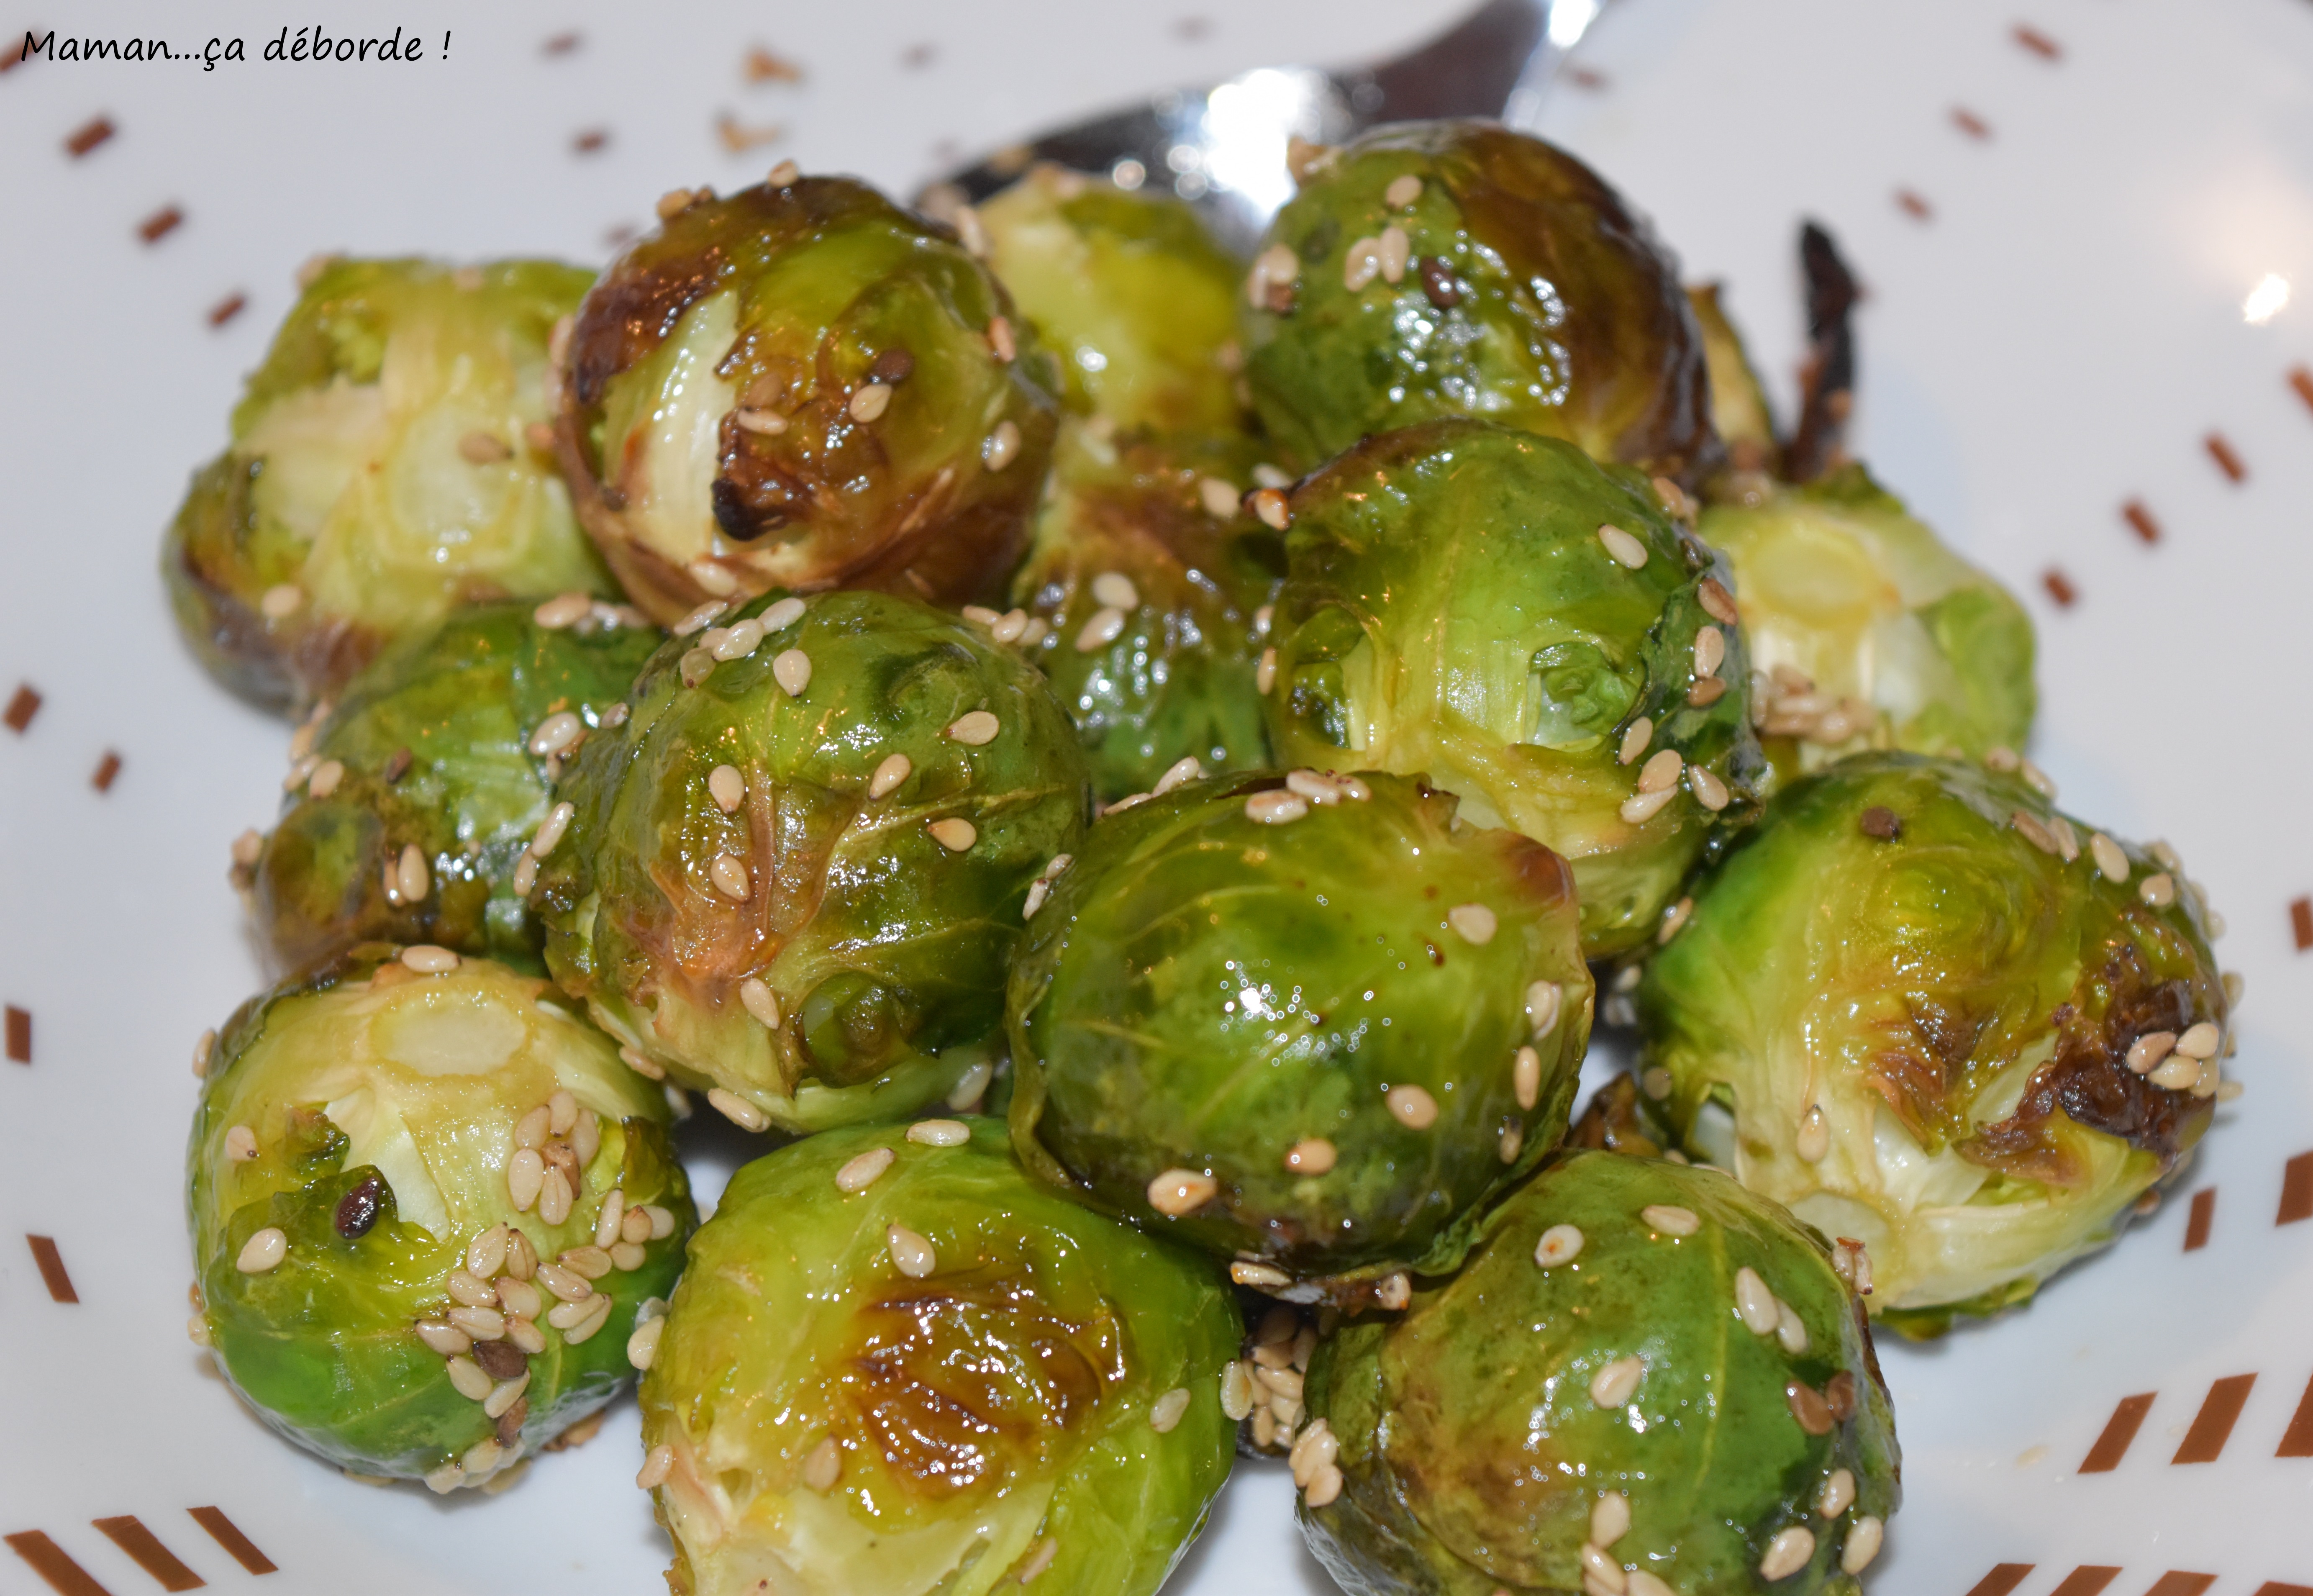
[1413,1107]
[1361,263]
[1544,999]
[1271,509]
[976,729]
[1601,1574]
[262,1251]
[1474,923]
[444,1338]
[1790,1331]
[859,1173]
[598,1316]
[1314,1156]
[969,1087]
[467,1376]
[1862,1545]
[1396,252]
[519,1298]
[781,616]
[410,875]
[727,788]
[483,448]
[2033,831]
[662,1221]
[1813,1138]
[1708,790]
[1115,590]
[1105,627]
[1403,190]
[1788,1553]
[1837,1494]
[642,1064]
[1675,918]
[729,875]
[1617,1382]
[557,734]
[1264,676]
[1002,447]
[429,960]
[2037,778]
[698,617]
[2200,1041]
[1560,1244]
[2159,891]
[762,423]
[2178,1074]
[1039,1560]
[1166,1412]
[1526,1077]
[1011,626]
[282,601]
[869,401]
[2002,759]
[2067,840]
[240,1144]
[534,1128]
[1642,807]
[1314,1448]
[2235,984]
[736,642]
[1272,277]
[1190,768]
[1610,1519]
[550,829]
[1238,1390]
[939,1133]
[627,1256]
[1709,650]
[823,1466]
[695,666]
[554,1196]
[784,173]
[1717,601]
[610,1217]
[737,1110]
[1178,1192]
[483,1323]
[525,1177]
[658,1464]
[1670,1219]
[888,774]
[1313,785]
[1221,500]
[1276,809]
[911,1254]
[2165,856]
[1661,772]
[757,998]
[953,833]
[325,778]
[1625,549]
[792,671]
[504,1395]
[470,1290]
[248,848]
[1757,1305]
[206,1048]
[1261,618]
[1038,891]
[1000,343]
[1635,739]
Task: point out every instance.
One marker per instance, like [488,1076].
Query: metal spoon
[1223,148]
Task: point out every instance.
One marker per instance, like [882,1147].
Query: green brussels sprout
[1143,605]
[1309,1022]
[441,744]
[1739,413]
[381,473]
[801,386]
[1130,291]
[1872,633]
[795,873]
[1531,632]
[1925,1011]
[1647,1379]
[1458,269]
[428,1208]
[895,1364]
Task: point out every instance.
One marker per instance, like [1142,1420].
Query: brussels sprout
[433,748]
[802,385]
[1458,269]
[1925,1011]
[1130,291]
[1530,630]
[1308,1021]
[396,1170]
[381,473]
[1872,632]
[795,873]
[895,1364]
[1647,1377]
[1738,402]
[1142,605]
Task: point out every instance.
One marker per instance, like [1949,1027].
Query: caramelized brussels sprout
[802,385]
[1309,1022]
[381,473]
[428,1208]
[895,1364]
[1871,631]
[795,873]
[446,746]
[1145,590]
[1130,291]
[1647,1380]
[1531,631]
[1458,269]
[1927,1012]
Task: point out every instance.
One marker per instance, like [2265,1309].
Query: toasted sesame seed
[1264,676]
[610,1218]
[588,1262]
[483,448]
[1038,891]
[1178,1192]
[429,960]
[1625,549]
[1361,263]
[1560,1244]
[1544,999]
[2235,984]
[1708,790]
[525,1178]
[1190,768]
[976,729]
[282,601]
[698,618]
[1403,190]
[506,1394]
[1237,1391]
[822,1466]
[1411,1107]
[1862,1544]
[859,1173]
[1000,341]
[1270,508]
[674,203]
[1601,1574]
[444,1338]
[2200,1041]
[1474,923]
[888,774]
[729,875]
[1315,786]
[727,788]
[325,778]
[1105,627]
[470,1289]
[2067,840]
[1757,1305]
[1002,447]
[1115,590]
[557,734]
[1314,1449]
[411,874]
[969,1087]
[550,829]
[593,1321]
[1396,252]
[1010,626]
[483,1323]
[737,1110]
[869,401]
[1709,650]
[467,1376]
[953,833]
[911,1254]
[1661,772]
[1039,1560]
[1324,1487]
[554,1196]
[1813,1138]
[1166,1412]
[1718,602]
[1614,1384]
[1221,500]
[1314,1156]
[2002,759]
[1276,809]
[757,998]
[1791,1550]
[662,1221]
[519,1298]
[658,1464]
[2033,831]
[763,423]
[1610,1519]
[2037,778]
[2157,892]
[1642,807]
[939,1133]
[1837,1494]
[2148,1050]
[738,642]
[792,671]
[2178,1074]
[1675,918]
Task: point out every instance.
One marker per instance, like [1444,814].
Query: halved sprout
[428,1207]
[794,873]
[418,797]
[1645,1381]
[1533,632]
[1927,1012]
[802,385]
[1309,1023]
[382,472]
[896,1364]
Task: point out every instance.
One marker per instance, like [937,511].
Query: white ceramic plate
[2056,327]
